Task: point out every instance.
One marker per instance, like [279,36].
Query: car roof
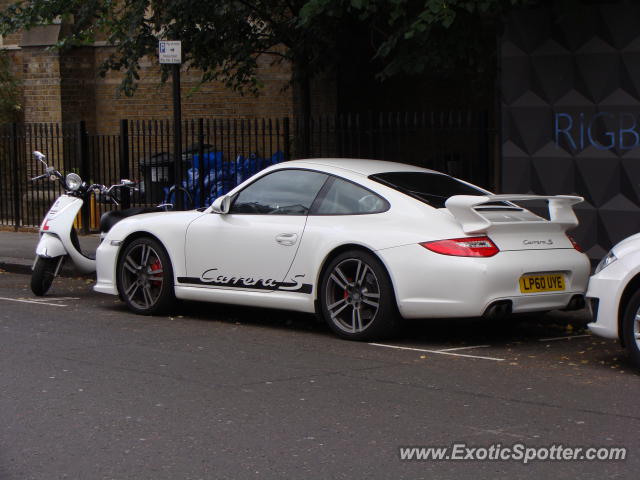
[356,165]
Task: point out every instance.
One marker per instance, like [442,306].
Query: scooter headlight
[73,181]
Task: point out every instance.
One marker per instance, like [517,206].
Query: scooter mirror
[40,156]
[126,182]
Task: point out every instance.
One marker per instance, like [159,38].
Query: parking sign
[170,51]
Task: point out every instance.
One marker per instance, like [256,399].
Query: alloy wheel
[352,295]
[142,276]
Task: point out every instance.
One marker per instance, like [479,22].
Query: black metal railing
[454,142]
[219,153]
[20,201]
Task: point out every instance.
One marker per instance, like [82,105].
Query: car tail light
[464,247]
[575,244]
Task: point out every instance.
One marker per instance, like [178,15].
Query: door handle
[287,239]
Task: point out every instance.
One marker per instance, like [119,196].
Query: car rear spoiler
[462,207]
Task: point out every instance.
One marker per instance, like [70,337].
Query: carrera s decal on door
[213,277]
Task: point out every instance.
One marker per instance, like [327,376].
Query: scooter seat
[109,219]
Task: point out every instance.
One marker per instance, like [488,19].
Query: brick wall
[41,85]
[77,86]
[155,101]
[65,87]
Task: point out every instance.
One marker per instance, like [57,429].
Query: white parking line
[35,302]
[471,347]
[441,352]
[562,338]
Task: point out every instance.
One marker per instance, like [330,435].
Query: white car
[614,296]
[361,242]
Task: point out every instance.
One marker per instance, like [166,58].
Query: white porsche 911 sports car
[361,242]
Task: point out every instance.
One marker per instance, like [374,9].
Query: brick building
[65,86]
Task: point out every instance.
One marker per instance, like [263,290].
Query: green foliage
[415,37]
[223,38]
[9,91]
[226,38]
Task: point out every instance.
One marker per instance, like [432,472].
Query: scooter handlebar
[131,186]
[40,177]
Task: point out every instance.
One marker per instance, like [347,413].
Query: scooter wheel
[43,273]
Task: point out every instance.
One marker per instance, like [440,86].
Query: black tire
[356,297]
[43,274]
[145,277]
[631,328]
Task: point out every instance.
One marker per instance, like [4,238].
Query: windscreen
[431,188]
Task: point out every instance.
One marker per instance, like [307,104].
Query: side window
[285,192]
[346,198]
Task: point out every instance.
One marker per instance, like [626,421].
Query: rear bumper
[429,285]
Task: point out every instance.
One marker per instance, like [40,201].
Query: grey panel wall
[570,84]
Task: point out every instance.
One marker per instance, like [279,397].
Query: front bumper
[429,285]
[106,257]
[604,294]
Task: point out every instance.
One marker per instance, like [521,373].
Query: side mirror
[40,157]
[125,182]
[221,205]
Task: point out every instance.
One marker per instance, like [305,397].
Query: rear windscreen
[431,188]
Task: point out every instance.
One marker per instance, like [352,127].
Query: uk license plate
[553,282]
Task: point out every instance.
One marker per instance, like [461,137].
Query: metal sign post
[170,52]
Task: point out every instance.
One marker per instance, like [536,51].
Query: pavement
[17,251]
[89,390]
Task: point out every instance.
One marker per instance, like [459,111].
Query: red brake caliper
[346,295]
[155,266]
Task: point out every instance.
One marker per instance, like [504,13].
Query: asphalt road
[90,391]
